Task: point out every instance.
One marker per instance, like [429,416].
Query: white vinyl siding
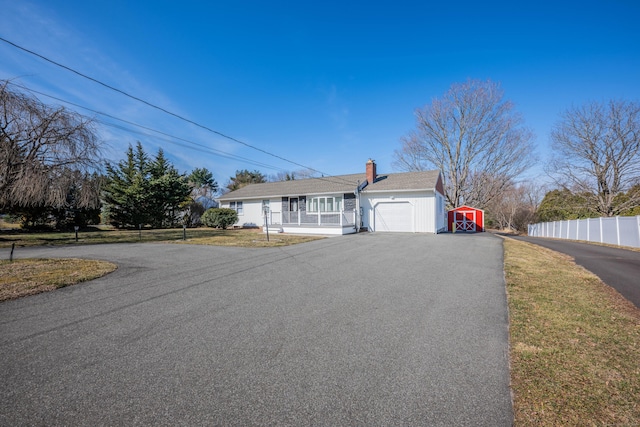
[424,217]
[238,207]
[250,212]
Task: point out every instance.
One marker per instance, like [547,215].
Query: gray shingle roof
[405,181]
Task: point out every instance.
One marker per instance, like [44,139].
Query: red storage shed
[466,219]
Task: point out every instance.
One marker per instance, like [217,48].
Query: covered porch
[303,222]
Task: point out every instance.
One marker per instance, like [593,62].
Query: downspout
[356,217]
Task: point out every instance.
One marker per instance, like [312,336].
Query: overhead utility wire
[190,147]
[203,148]
[157,107]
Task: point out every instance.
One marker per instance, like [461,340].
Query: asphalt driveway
[368,329]
[617,267]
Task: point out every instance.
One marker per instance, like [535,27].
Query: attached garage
[465,219]
[393,216]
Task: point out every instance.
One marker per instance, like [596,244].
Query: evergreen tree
[169,191]
[123,182]
[203,189]
[139,191]
[203,183]
[243,178]
[562,204]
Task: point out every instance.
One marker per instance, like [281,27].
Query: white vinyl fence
[618,230]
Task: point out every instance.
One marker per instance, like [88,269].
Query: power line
[193,145]
[156,106]
[203,148]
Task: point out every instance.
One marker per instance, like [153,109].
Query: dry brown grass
[4,225]
[206,236]
[575,343]
[32,276]
[250,238]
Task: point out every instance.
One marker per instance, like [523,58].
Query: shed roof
[405,181]
[465,208]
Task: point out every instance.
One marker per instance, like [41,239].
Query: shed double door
[465,220]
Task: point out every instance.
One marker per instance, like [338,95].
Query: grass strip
[575,343]
[207,236]
[250,239]
[24,277]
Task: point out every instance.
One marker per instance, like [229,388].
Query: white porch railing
[330,219]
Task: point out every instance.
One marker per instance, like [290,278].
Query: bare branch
[597,153]
[476,140]
[43,151]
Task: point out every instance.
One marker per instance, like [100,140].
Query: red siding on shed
[466,218]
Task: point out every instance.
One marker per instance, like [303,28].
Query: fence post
[588,229]
[601,234]
[618,230]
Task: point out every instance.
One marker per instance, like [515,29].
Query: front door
[293,210]
[293,204]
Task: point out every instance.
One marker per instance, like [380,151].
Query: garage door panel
[397,216]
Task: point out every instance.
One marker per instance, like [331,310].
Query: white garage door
[396,216]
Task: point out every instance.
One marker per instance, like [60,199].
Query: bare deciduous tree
[597,153]
[476,140]
[44,151]
[516,207]
[294,175]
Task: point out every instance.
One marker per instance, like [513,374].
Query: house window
[236,206]
[324,204]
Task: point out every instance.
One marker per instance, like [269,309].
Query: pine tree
[140,191]
[169,190]
[243,178]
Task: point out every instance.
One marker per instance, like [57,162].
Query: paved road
[618,268]
[369,329]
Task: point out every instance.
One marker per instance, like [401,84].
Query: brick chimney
[371,171]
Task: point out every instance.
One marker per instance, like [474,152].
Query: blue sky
[324,84]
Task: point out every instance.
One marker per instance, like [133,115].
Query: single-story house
[343,204]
